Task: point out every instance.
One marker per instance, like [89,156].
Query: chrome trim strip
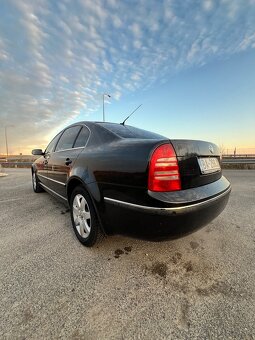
[54,192]
[80,147]
[50,179]
[142,207]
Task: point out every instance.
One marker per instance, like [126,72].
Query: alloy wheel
[81,215]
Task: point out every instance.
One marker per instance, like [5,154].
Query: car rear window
[126,131]
[82,138]
[67,139]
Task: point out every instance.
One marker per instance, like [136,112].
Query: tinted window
[67,139]
[82,138]
[52,144]
[126,131]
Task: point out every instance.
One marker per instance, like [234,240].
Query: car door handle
[68,161]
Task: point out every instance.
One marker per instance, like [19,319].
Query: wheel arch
[92,190]
[33,168]
[72,183]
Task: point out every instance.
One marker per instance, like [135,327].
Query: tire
[84,218]
[36,186]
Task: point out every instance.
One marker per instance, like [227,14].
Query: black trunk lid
[192,155]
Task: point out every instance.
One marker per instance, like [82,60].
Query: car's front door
[42,167]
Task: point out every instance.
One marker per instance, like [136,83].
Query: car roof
[119,130]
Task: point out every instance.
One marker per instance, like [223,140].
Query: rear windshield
[126,131]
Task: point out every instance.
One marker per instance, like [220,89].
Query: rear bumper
[189,210]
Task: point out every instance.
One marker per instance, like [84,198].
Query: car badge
[211,148]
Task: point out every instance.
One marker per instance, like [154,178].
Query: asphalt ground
[201,286]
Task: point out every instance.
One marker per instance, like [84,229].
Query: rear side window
[82,138]
[126,131]
[52,144]
[67,139]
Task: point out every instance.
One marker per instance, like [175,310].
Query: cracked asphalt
[51,287]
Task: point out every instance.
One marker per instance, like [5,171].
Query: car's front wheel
[84,219]
[36,186]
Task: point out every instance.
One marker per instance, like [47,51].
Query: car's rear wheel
[84,219]
[36,186]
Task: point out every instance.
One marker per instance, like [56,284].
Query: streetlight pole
[6,140]
[105,94]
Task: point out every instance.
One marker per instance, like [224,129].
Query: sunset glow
[191,65]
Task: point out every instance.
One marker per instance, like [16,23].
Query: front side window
[52,144]
[67,139]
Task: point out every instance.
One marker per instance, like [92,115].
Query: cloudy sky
[190,63]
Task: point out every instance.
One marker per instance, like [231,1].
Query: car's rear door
[60,162]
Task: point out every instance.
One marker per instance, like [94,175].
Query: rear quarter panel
[118,169]
[120,163]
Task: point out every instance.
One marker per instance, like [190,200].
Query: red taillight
[164,172]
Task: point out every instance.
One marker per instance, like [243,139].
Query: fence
[16,164]
[246,155]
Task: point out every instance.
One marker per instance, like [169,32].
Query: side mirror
[37,152]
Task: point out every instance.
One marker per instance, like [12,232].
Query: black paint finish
[116,167]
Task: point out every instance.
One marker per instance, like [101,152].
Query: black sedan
[121,179]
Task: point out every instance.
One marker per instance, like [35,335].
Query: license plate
[208,165]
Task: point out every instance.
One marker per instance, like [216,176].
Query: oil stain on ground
[194,245]
[119,252]
[127,249]
[158,269]
[188,266]
[176,257]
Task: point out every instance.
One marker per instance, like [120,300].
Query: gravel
[51,287]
